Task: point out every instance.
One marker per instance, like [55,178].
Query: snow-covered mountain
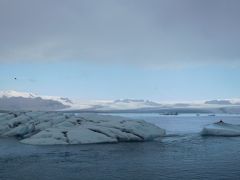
[11,93]
[125,104]
[13,100]
[224,102]
[133,105]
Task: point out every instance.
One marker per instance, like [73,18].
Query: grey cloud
[149,33]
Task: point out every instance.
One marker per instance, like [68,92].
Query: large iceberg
[45,128]
[221,129]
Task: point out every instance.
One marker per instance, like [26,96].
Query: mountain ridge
[15,100]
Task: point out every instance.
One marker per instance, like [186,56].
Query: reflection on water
[184,155]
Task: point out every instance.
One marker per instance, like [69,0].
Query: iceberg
[48,128]
[221,129]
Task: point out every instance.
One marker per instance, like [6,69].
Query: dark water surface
[178,156]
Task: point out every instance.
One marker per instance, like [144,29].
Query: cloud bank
[139,32]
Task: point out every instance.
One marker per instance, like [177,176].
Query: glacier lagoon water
[182,154]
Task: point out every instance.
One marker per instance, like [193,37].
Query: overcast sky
[149,43]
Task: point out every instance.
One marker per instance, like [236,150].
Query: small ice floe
[46,128]
[221,129]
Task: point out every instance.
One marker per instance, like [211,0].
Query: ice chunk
[47,137]
[221,129]
[82,135]
[20,130]
[63,128]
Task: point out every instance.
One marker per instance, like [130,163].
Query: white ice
[221,129]
[46,128]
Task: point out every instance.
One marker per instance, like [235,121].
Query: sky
[176,50]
